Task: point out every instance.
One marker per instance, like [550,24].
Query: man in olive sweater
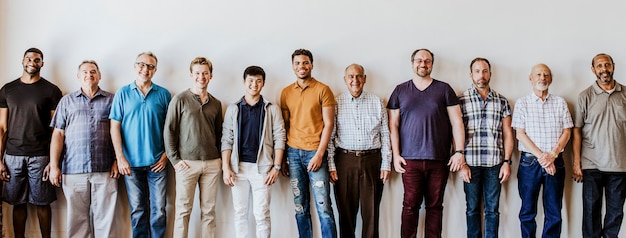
[193,128]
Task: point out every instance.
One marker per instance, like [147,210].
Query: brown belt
[359,153]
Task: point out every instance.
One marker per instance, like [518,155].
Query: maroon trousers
[423,180]
[359,183]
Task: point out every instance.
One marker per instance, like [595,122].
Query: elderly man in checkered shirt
[361,150]
[543,124]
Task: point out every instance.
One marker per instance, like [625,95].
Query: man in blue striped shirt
[81,124]
[488,149]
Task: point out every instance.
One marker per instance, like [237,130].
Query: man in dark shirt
[421,136]
[26,107]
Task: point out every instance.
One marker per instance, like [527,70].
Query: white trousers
[247,178]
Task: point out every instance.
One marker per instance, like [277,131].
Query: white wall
[513,35]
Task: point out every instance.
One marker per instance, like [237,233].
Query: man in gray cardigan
[193,127]
[253,142]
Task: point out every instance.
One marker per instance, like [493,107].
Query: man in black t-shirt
[26,107]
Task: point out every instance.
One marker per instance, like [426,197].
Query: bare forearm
[576,145]
[116,138]
[328,115]
[509,141]
[562,142]
[394,136]
[527,143]
[56,147]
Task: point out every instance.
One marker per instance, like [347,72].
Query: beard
[542,87]
[32,71]
[423,73]
[605,78]
[482,83]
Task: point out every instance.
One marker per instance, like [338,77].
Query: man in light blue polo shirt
[137,120]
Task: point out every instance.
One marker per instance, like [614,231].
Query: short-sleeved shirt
[484,137]
[29,106]
[425,130]
[304,113]
[142,118]
[86,125]
[602,119]
[543,121]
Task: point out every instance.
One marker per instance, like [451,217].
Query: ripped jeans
[298,161]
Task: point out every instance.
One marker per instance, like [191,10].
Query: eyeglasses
[357,76]
[142,64]
[419,61]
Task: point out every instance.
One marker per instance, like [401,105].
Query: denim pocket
[527,161]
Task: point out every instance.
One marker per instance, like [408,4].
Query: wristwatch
[508,161]
[277,167]
[460,151]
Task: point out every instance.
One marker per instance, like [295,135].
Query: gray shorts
[26,184]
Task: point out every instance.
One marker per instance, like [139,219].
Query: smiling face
[32,63]
[480,74]
[422,63]
[201,76]
[88,76]
[603,68]
[302,66]
[355,80]
[541,77]
[254,84]
[145,67]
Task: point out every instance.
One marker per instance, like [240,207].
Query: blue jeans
[298,161]
[147,188]
[484,184]
[531,176]
[613,186]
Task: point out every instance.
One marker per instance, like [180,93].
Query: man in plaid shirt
[488,149]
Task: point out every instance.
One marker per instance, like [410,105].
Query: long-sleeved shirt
[192,128]
[360,124]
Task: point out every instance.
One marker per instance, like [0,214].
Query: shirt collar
[133,85]
[598,90]
[311,84]
[474,91]
[258,104]
[536,98]
[79,93]
[360,98]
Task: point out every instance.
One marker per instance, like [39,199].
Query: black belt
[359,153]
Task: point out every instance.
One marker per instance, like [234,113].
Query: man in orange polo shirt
[308,107]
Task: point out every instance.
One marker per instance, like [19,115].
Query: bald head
[540,67]
[540,77]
